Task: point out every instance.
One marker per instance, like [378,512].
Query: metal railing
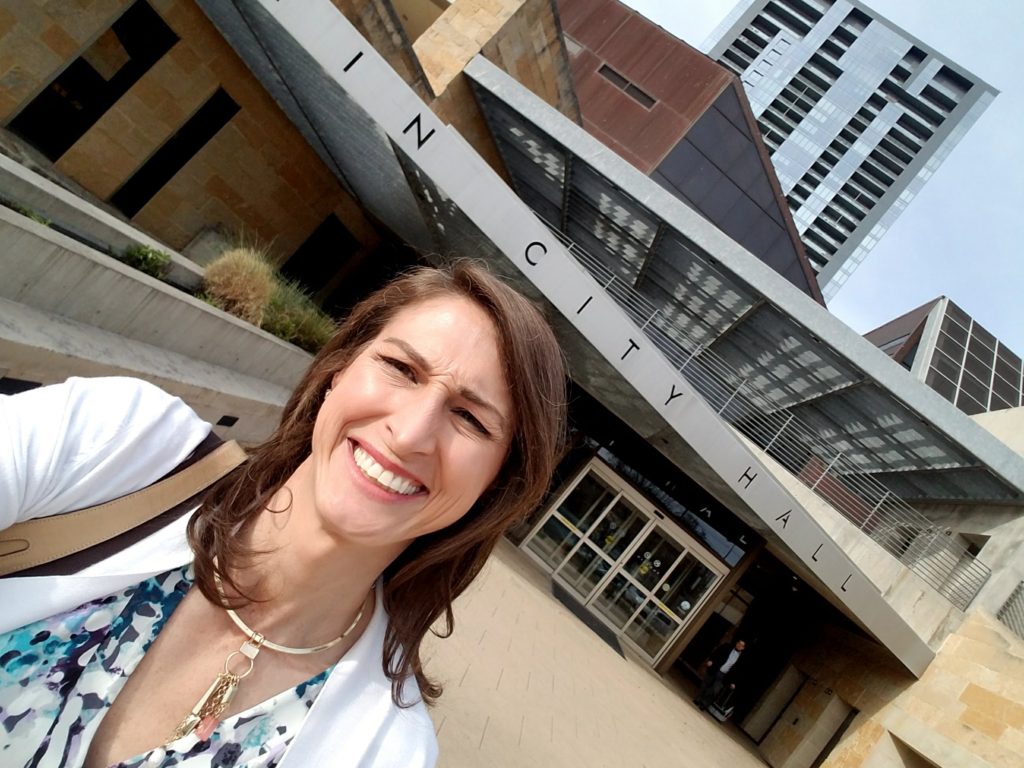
[932,552]
[1012,612]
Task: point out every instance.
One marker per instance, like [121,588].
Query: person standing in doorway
[719,672]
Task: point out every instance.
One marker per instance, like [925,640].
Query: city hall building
[742,464]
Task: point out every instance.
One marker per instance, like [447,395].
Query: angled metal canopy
[807,387]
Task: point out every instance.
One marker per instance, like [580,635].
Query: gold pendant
[205,715]
[209,707]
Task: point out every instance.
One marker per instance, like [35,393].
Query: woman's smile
[383,473]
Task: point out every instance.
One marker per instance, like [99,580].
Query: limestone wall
[37,39]
[257,176]
[966,711]
[523,37]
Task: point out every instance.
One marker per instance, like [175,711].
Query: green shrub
[240,281]
[152,261]
[293,316]
[213,301]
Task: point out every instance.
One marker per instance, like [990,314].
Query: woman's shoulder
[99,408]
[86,441]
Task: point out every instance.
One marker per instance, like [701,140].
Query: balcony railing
[928,550]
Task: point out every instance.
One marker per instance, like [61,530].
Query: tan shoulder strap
[45,539]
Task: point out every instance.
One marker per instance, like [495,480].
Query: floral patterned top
[59,676]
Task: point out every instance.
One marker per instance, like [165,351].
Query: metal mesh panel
[1012,612]
[942,562]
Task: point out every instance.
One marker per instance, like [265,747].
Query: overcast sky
[962,235]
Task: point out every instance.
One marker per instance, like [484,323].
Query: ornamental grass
[241,282]
[293,316]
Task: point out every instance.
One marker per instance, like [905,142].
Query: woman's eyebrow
[465,392]
[418,360]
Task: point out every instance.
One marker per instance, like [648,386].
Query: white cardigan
[86,441]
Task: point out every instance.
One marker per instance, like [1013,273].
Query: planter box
[67,309]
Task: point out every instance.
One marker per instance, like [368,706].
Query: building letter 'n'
[418,125]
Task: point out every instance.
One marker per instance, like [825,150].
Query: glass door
[665,611]
[553,542]
[650,597]
[637,579]
[638,575]
[601,547]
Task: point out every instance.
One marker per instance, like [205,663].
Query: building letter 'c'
[543,249]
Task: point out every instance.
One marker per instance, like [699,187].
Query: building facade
[683,120]
[952,353]
[741,463]
[857,113]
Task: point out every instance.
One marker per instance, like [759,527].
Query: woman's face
[415,429]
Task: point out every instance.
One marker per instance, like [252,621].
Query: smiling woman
[427,426]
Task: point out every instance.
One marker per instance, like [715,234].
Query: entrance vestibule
[608,545]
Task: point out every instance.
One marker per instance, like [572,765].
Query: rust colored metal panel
[592,22]
[682,81]
[653,59]
[648,133]
[625,152]
[584,65]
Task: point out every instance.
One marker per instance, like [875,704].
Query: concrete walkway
[527,684]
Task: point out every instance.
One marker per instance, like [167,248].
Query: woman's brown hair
[421,584]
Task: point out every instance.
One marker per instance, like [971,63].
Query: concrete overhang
[424,182]
[718,302]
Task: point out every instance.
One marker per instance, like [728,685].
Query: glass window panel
[747,170]
[685,168]
[969,405]
[1008,366]
[950,348]
[761,235]
[584,570]
[686,585]
[979,368]
[975,388]
[999,404]
[954,331]
[1005,390]
[652,629]
[587,501]
[740,217]
[941,384]
[953,311]
[717,138]
[719,199]
[553,542]
[948,367]
[617,530]
[653,559]
[983,337]
[618,600]
[979,350]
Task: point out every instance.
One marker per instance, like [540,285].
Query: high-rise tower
[857,114]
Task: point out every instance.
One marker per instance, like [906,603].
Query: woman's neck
[309,585]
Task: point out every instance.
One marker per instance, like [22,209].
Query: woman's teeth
[369,467]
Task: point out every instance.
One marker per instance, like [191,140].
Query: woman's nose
[414,424]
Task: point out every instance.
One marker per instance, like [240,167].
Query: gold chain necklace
[205,715]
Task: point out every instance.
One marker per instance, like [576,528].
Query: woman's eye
[401,368]
[472,420]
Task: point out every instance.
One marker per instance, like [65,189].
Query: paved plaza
[527,684]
